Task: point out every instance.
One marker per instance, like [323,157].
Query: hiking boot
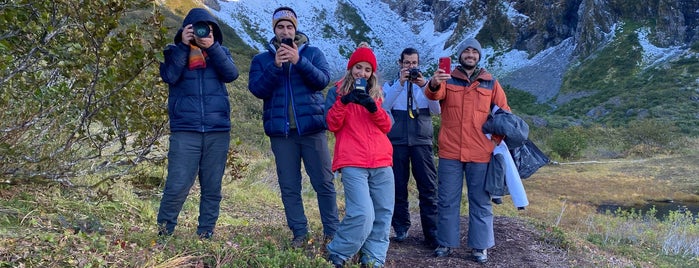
[206,235]
[299,241]
[442,251]
[336,261]
[327,238]
[163,233]
[400,236]
[479,255]
[368,262]
[163,238]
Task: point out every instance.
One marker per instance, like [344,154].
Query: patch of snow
[517,19]
[652,55]
[394,34]
[386,25]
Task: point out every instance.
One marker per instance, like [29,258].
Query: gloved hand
[350,97]
[365,100]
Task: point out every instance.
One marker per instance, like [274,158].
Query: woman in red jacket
[364,155]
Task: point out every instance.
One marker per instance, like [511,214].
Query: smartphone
[288,42]
[445,64]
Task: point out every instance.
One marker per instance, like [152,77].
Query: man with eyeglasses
[411,136]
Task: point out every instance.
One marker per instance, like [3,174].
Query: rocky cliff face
[538,26]
[534,26]
[522,37]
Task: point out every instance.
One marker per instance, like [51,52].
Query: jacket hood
[197,15]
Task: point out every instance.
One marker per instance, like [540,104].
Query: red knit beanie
[363,53]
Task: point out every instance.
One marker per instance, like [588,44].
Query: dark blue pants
[313,150]
[421,159]
[192,154]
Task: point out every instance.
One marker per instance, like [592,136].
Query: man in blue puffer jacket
[289,78]
[196,68]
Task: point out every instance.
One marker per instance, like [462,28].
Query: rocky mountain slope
[522,37]
[560,51]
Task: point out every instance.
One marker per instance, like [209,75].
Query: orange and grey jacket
[465,106]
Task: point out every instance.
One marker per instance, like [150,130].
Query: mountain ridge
[517,35]
[528,45]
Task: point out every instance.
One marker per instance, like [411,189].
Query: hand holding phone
[445,64]
[360,84]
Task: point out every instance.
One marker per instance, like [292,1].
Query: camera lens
[414,73]
[201,29]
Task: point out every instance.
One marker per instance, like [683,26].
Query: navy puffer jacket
[299,85]
[198,99]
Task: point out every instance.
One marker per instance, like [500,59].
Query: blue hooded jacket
[198,99]
[291,90]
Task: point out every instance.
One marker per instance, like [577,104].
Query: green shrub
[651,136]
[523,102]
[568,142]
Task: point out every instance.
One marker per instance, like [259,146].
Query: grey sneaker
[299,241]
[368,262]
[327,239]
[206,235]
[479,255]
[400,236]
[336,261]
[442,251]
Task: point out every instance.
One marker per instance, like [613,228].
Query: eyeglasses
[405,62]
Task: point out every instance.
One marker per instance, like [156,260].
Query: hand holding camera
[198,33]
[201,29]
[413,75]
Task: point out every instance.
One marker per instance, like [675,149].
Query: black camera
[201,29]
[413,74]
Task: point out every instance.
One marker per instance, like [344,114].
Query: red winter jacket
[360,136]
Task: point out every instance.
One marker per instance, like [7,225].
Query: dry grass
[180,7]
[36,224]
[581,187]
[567,196]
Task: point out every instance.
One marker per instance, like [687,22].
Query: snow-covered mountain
[520,38]
[325,26]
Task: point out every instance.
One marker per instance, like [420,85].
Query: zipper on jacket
[290,96]
[293,107]
[286,105]
[286,129]
[201,97]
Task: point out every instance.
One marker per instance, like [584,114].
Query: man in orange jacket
[466,96]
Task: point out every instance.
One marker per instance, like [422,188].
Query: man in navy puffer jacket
[289,78]
[196,68]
